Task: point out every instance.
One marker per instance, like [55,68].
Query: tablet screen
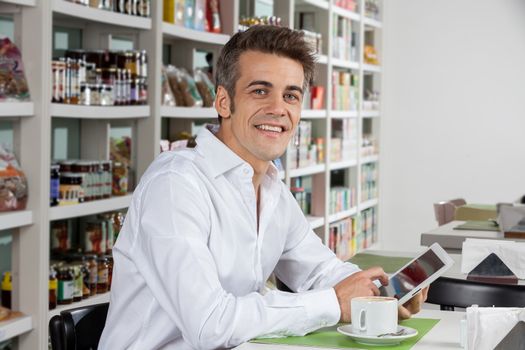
[413,275]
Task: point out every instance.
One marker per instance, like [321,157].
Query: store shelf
[371,68]
[20,2]
[14,219]
[370,114]
[101,16]
[99,112]
[13,327]
[313,114]
[342,215]
[17,109]
[369,159]
[343,114]
[315,221]
[89,208]
[345,164]
[372,22]
[96,299]
[368,204]
[188,112]
[322,4]
[311,170]
[340,63]
[346,13]
[180,32]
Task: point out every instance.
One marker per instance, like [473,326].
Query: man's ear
[222,102]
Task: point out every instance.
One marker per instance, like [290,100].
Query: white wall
[453,122]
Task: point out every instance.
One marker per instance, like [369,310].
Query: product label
[66,290]
[103,276]
[55,186]
[53,284]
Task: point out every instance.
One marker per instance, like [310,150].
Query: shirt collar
[219,156]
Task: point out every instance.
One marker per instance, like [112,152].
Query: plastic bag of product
[188,88]
[13,84]
[13,183]
[213,17]
[173,80]
[205,87]
[167,97]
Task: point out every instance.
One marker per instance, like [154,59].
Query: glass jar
[103,275]
[69,189]
[110,270]
[120,179]
[95,238]
[91,264]
[77,281]
[53,285]
[66,285]
[106,168]
[85,94]
[107,96]
[54,185]
[7,287]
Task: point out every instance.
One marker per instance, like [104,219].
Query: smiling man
[208,225]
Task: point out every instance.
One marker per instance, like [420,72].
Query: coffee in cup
[374,315]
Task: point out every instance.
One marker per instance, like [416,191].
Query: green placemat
[481,206]
[485,225]
[389,263]
[329,337]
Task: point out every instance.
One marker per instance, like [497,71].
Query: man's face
[268,98]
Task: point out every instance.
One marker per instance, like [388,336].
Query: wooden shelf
[369,159]
[17,109]
[343,164]
[372,22]
[368,204]
[96,299]
[340,63]
[371,68]
[343,114]
[13,327]
[188,112]
[346,13]
[322,4]
[311,170]
[180,32]
[14,219]
[315,221]
[370,114]
[20,2]
[342,215]
[89,208]
[99,112]
[313,114]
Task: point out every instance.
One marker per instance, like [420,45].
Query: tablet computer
[417,274]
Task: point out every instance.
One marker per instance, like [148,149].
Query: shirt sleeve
[307,263]
[180,272]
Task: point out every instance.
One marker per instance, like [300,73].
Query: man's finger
[375,273]
[403,313]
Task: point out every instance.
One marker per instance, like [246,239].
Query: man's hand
[360,284]
[413,306]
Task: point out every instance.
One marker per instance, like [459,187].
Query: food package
[173,80]
[167,98]
[13,183]
[183,87]
[213,18]
[205,87]
[13,84]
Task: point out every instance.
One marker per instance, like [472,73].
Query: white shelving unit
[96,299]
[15,219]
[99,112]
[31,243]
[91,14]
[370,159]
[17,109]
[15,327]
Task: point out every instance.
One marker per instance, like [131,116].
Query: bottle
[54,185]
[53,285]
[66,285]
[103,275]
[7,287]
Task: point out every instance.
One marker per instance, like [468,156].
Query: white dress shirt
[190,264]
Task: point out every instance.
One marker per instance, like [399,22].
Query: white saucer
[375,340]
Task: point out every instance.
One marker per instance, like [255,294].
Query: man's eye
[259,92]
[290,97]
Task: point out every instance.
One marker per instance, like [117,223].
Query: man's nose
[276,106]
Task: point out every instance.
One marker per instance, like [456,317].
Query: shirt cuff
[322,308]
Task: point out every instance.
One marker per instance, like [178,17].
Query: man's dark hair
[281,41]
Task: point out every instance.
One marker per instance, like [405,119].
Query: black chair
[451,292]
[79,328]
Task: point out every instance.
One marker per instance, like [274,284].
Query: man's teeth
[270,128]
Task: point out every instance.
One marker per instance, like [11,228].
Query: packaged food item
[92,267]
[171,73]
[168,11]
[199,14]
[95,237]
[189,13]
[167,98]
[71,191]
[60,236]
[179,12]
[213,16]
[120,179]
[180,79]
[13,84]
[110,270]
[7,287]
[66,285]
[205,87]
[53,285]
[13,183]
[103,275]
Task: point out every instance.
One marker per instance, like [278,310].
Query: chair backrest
[78,328]
[452,292]
[445,211]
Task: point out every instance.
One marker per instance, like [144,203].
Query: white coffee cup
[374,315]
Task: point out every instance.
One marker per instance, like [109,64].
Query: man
[208,225]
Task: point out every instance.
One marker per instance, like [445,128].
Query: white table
[444,335]
[452,240]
